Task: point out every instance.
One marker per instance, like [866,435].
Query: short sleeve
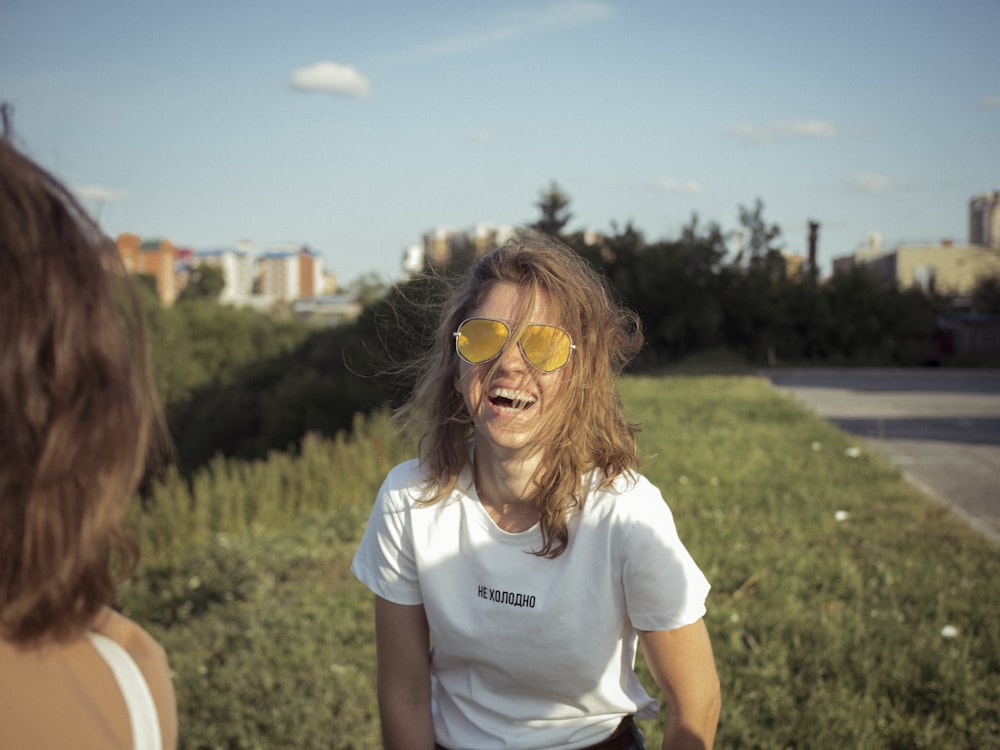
[664,587]
[385,560]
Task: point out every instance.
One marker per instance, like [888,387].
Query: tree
[758,237]
[205,282]
[554,204]
[368,288]
[145,284]
[873,324]
[673,285]
[757,320]
[986,296]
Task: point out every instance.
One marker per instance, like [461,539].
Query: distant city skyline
[353,129]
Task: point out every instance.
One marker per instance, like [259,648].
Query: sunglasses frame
[520,344]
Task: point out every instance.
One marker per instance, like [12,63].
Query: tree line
[241,383]
[692,300]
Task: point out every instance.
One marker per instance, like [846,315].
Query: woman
[522,543]
[77,409]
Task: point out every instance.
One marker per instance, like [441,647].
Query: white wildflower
[841,515]
[816,445]
[949,631]
[853,452]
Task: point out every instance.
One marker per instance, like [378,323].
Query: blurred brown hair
[588,429]
[77,407]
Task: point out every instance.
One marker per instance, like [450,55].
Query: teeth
[515,399]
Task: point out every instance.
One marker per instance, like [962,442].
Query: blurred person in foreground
[518,562]
[79,414]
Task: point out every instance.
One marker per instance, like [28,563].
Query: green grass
[833,583]
[827,632]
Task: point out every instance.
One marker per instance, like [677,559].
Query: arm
[402,641]
[682,664]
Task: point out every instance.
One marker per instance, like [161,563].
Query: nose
[512,358]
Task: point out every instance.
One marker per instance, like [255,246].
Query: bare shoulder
[152,660]
[128,634]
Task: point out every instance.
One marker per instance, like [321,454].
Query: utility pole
[813,241]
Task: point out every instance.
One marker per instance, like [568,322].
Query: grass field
[847,610]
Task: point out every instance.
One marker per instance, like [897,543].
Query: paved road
[940,427]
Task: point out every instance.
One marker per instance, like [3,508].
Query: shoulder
[404,484]
[128,634]
[628,495]
[631,505]
[404,475]
[152,661]
[408,485]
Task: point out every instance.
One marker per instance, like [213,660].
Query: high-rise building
[288,273]
[278,273]
[310,273]
[984,220]
[237,271]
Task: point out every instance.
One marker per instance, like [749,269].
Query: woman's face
[509,404]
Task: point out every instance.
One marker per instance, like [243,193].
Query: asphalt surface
[940,427]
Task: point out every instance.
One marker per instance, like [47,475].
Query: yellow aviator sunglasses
[546,347]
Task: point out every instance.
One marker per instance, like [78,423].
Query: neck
[506,489]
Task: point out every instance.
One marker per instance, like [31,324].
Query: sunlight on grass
[833,578]
[848,610]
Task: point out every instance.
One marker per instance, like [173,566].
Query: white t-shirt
[530,652]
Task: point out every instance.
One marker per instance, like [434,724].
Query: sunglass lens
[546,347]
[480,339]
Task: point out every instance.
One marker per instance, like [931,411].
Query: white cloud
[780,130]
[754,133]
[676,186]
[331,77]
[990,102]
[871,183]
[98,194]
[553,15]
[808,128]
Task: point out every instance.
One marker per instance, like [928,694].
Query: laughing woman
[518,562]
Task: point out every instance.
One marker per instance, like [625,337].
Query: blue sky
[355,127]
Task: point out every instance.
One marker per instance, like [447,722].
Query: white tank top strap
[139,700]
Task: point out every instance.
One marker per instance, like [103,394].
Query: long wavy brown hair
[77,407]
[587,430]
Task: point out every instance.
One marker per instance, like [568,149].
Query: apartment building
[942,268]
[444,245]
[287,274]
[237,265]
[311,277]
[984,220]
[155,257]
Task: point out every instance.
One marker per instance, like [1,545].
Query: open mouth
[503,398]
